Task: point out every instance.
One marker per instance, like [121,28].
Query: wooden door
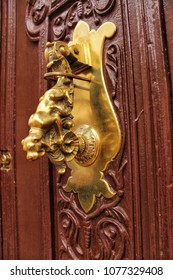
[38,219]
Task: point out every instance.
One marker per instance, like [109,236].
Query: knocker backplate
[92,108]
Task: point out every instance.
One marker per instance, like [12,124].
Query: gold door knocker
[75,123]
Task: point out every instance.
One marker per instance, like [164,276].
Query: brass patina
[75,123]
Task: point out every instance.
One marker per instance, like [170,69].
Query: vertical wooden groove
[132,136]
[150,155]
[168,28]
[129,86]
[44,165]
[7,141]
[167,10]
[165,38]
[147,189]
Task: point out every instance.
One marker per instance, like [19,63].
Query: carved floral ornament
[38,11]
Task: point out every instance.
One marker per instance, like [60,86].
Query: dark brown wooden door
[38,219]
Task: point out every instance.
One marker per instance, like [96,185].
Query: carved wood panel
[45,222]
[125,225]
[108,223]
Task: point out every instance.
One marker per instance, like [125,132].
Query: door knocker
[75,123]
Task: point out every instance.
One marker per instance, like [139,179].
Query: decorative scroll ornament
[79,10]
[36,13]
[103,234]
[39,10]
[90,138]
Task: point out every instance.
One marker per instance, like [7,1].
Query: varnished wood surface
[41,221]
[7,127]
[33,193]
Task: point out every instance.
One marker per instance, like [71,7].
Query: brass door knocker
[75,123]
